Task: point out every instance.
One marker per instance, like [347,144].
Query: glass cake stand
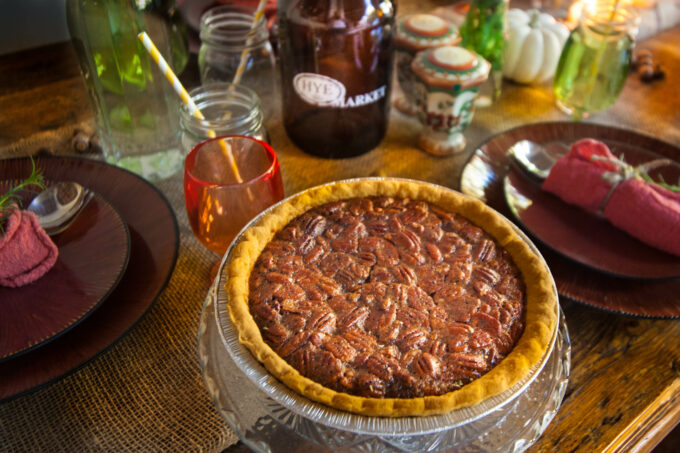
[269,417]
[267,425]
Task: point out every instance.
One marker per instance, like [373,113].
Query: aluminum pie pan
[335,418]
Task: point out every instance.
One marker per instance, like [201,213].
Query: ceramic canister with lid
[447,81]
[414,34]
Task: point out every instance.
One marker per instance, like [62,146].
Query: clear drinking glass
[231,42]
[595,60]
[227,109]
[222,195]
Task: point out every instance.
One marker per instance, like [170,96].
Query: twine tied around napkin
[625,172]
[591,177]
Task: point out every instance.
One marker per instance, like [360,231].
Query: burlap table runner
[146,393]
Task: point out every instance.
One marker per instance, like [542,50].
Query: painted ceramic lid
[448,66]
[423,31]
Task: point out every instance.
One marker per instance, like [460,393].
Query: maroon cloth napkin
[647,211]
[26,251]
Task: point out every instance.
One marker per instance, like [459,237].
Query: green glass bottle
[484,32]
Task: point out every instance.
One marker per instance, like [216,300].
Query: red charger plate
[483,176]
[154,243]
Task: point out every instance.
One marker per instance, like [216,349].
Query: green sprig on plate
[11,200]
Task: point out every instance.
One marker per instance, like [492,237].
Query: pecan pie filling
[383,297]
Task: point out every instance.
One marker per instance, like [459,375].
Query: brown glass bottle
[336,73]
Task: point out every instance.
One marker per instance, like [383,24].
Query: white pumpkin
[533,46]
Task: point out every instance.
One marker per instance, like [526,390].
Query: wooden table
[624,388]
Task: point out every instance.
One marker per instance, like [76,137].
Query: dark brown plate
[154,242]
[483,177]
[583,236]
[93,254]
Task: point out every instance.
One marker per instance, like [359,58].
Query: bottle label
[324,91]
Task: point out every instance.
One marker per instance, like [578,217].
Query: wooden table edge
[652,425]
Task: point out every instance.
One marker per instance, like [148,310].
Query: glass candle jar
[595,60]
[228,110]
[232,44]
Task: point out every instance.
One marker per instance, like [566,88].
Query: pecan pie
[391,298]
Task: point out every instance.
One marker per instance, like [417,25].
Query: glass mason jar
[235,50]
[595,60]
[228,110]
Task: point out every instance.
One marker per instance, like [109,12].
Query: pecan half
[485,250]
[277,277]
[405,274]
[414,214]
[323,321]
[306,244]
[314,225]
[274,334]
[463,308]
[371,244]
[413,317]
[387,255]
[340,348]
[294,343]
[433,252]
[345,244]
[370,385]
[378,227]
[301,360]
[381,366]
[366,258]
[488,323]
[360,340]
[486,274]
[327,367]
[419,299]
[405,240]
[354,319]
[427,365]
[389,333]
[381,274]
[290,291]
[314,254]
[267,310]
[473,361]
[334,261]
[411,339]
[471,232]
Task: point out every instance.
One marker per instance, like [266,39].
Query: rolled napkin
[591,177]
[26,251]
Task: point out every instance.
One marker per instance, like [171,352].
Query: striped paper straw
[184,95]
[244,55]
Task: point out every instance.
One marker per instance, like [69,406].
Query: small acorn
[647,73]
[659,72]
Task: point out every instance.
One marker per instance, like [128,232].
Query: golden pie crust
[541,301]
